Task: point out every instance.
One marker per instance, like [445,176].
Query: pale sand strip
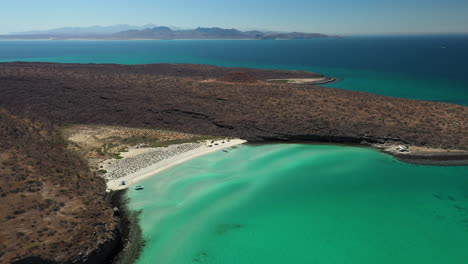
[318,80]
[203,149]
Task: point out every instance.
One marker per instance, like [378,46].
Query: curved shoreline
[436,159]
[310,81]
[131,232]
[441,158]
[173,160]
[130,219]
[275,111]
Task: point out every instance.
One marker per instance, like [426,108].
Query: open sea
[300,203]
[419,67]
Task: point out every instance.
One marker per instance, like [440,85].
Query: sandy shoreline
[131,170]
[315,81]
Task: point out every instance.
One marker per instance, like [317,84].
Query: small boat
[225,150]
[403,148]
[139,187]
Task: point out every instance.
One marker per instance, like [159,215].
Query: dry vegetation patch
[99,142]
[176,98]
[51,204]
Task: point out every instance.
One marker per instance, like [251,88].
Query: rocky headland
[56,205]
[209,100]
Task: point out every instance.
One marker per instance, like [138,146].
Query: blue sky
[324,16]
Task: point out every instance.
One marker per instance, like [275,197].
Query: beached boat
[139,187]
[403,148]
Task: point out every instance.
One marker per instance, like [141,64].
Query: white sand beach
[139,164]
[319,80]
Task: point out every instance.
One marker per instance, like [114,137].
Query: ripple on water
[304,204]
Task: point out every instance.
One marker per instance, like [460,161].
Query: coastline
[417,155]
[312,81]
[130,234]
[179,153]
[171,160]
[425,155]
[130,230]
[205,118]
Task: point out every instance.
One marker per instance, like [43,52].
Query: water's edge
[131,239]
[436,159]
[130,229]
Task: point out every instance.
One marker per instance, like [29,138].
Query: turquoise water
[291,203]
[300,203]
[430,68]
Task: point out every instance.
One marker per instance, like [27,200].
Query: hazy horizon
[175,27]
[340,17]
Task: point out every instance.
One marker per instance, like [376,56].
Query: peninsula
[64,125]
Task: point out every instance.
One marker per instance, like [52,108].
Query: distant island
[126,32]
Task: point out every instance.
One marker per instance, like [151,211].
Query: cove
[300,203]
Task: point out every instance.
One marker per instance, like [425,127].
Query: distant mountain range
[128,32]
[93,30]
[209,33]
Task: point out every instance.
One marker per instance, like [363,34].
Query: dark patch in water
[131,231]
[440,217]
[451,198]
[223,228]
[201,257]
[436,195]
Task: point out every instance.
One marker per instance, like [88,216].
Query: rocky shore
[130,235]
[424,155]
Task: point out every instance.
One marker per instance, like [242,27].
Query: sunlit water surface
[304,204]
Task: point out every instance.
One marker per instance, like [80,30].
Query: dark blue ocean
[419,67]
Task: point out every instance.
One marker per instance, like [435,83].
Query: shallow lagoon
[292,203]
